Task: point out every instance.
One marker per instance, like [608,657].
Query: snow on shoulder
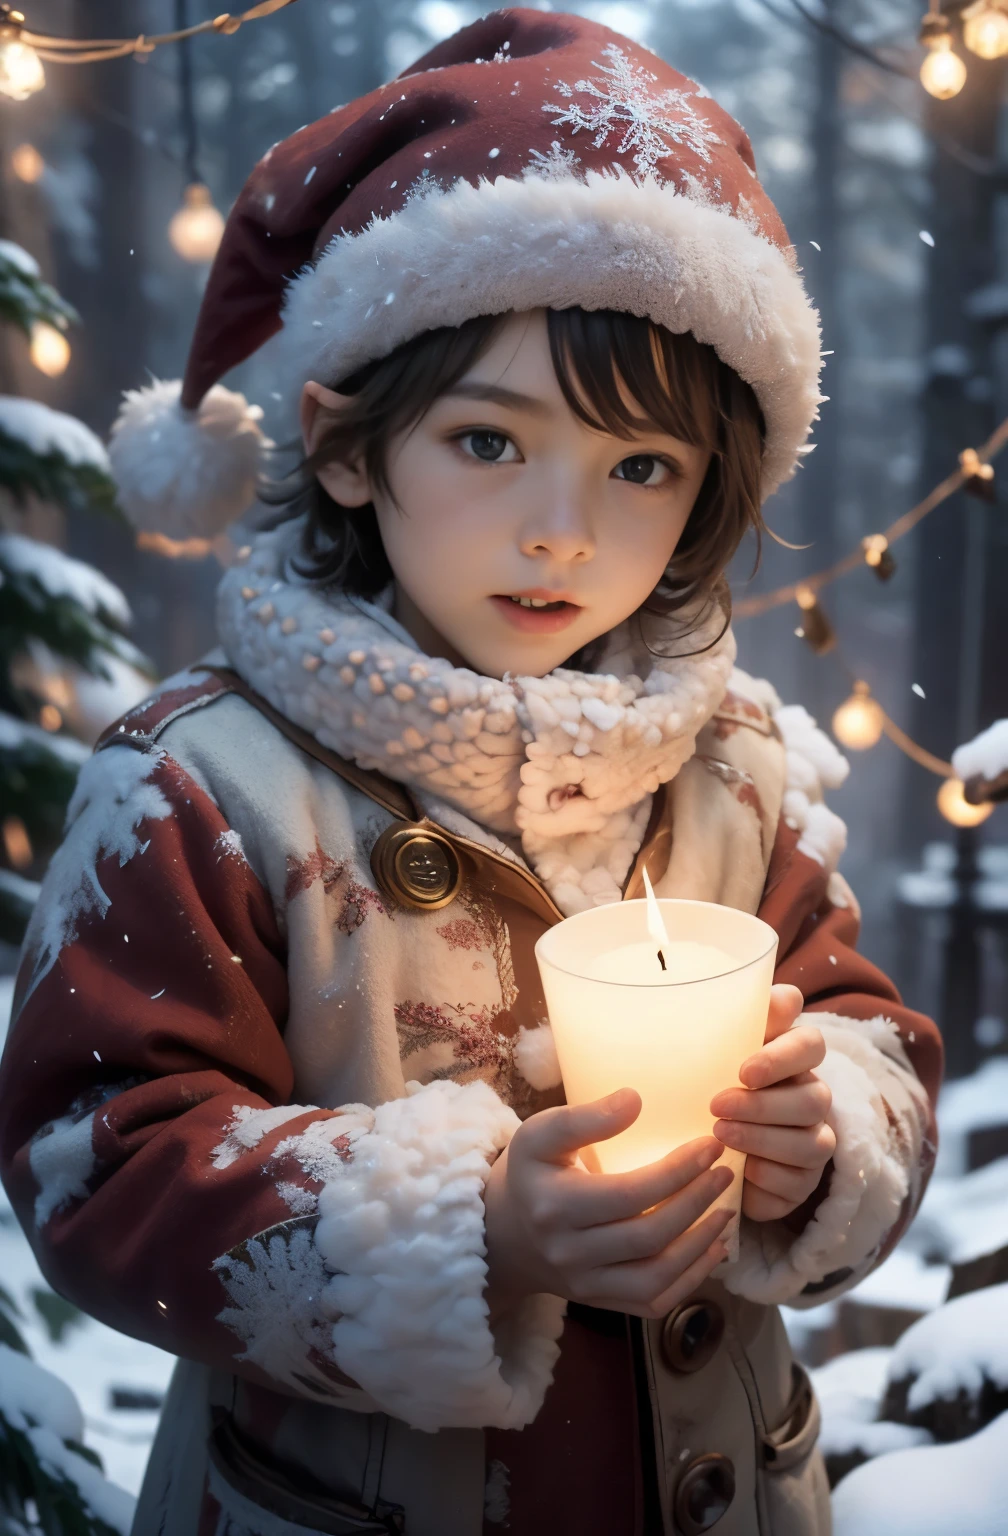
[45,431]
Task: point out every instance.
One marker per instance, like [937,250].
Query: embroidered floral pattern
[302,873]
[358,901]
[478,1048]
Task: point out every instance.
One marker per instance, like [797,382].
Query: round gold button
[703,1494]
[416,867]
[691,1334]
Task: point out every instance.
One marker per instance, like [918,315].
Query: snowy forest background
[898,208]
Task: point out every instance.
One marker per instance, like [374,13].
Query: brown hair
[678,384]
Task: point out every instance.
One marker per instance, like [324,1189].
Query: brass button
[416,867]
[691,1334]
[703,1494]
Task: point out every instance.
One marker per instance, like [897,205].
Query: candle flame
[655,922]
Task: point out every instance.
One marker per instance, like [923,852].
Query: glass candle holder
[678,1036]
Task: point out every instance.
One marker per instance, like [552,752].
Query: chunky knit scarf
[568,762]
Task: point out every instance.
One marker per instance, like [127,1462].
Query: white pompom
[186,474]
[536,1057]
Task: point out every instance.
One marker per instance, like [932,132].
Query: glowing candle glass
[677,1036]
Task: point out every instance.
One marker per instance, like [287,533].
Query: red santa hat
[531,160]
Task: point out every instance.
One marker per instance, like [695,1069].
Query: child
[279,1096]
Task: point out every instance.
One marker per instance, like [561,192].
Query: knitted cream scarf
[568,761]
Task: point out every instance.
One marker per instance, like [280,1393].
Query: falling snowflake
[559,163]
[625,102]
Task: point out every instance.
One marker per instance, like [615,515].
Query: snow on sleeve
[930,1490]
[112,797]
[986,756]
[45,431]
[44,1409]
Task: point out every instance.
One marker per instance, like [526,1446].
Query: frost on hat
[531,160]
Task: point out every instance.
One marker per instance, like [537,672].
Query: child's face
[505,495]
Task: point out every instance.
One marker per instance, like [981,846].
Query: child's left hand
[778,1118]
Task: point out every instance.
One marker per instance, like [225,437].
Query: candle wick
[661,961]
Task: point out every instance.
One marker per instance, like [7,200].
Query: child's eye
[644,469]
[491,447]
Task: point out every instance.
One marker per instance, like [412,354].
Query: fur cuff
[402,1229]
[879,1115]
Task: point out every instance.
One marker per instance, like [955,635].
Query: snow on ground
[849,1390]
[91,1358]
[930,1490]
[45,431]
[63,576]
[986,756]
[959,1219]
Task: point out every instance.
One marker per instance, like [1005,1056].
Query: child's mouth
[536,612]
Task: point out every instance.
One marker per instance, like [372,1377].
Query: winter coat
[253,1088]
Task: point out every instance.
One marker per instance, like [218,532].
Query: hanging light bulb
[979,476]
[985,29]
[956,808]
[942,72]
[17,843]
[27,164]
[879,556]
[49,349]
[196,229]
[859,722]
[815,627]
[21,72]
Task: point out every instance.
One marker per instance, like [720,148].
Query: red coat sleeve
[883,1065]
[146,1044]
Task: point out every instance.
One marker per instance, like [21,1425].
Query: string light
[196,229]
[22,52]
[860,721]
[21,72]
[50,718]
[979,476]
[985,29]
[49,349]
[815,629]
[17,843]
[957,809]
[27,164]
[878,556]
[942,72]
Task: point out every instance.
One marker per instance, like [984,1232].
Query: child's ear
[346,481]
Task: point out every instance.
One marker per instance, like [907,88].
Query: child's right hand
[623,1241]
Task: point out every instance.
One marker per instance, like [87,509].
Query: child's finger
[649,1234]
[794,1184]
[786,1003]
[641,1282]
[799,1050]
[788,1104]
[596,1199]
[686,1284]
[808,1148]
[557,1135]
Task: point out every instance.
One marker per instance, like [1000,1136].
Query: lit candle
[677,1036]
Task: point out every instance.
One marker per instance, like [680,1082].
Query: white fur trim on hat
[604,241]
[402,1226]
[185,473]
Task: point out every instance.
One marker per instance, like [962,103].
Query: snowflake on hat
[447,194]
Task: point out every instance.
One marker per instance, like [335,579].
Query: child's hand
[779,1117]
[621,1241]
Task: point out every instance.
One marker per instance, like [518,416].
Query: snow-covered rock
[941,1490]
[850,1391]
[949,1372]
[969,1104]
[45,431]
[961,1218]
[985,760]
